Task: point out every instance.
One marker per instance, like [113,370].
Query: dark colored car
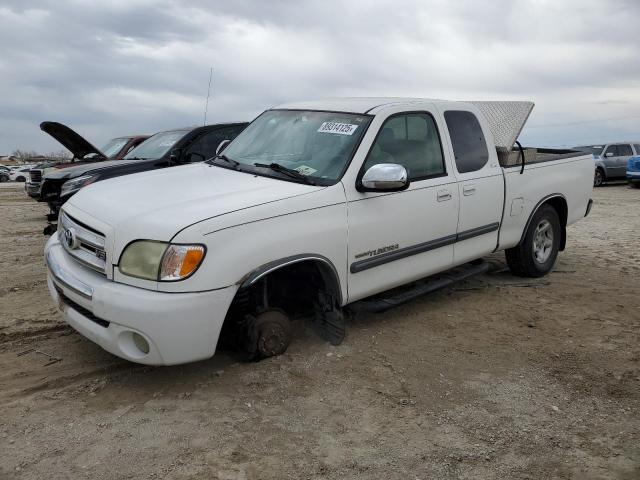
[164,149]
[4,175]
[83,152]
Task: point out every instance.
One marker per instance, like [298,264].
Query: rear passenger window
[412,141]
[624,150]
[467,139]
[637,145]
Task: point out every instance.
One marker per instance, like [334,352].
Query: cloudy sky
[116,67]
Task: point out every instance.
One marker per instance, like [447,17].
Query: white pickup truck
[315,207]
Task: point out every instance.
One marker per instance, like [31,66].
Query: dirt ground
[496,378]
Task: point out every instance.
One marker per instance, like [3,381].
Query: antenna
[206,103]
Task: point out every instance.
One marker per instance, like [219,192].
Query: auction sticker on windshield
[305,170]
[335,127]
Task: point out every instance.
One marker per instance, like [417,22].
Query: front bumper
[178,327]
[633,176]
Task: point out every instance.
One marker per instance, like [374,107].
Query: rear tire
[537,253]
[598,177]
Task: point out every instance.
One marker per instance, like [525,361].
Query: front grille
[35,175]
[83,243]
[80,309]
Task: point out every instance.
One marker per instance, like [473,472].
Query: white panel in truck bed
[505,119]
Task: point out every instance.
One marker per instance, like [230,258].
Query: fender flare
[600,164]
[263,270]
[563,226]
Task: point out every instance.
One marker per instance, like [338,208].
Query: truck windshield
[156,145]
[318,145]
[113,146]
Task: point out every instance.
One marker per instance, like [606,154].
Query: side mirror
[174,156]
[221,146]
[608,154]
[385,177]
[195,157]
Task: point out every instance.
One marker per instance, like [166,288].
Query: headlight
[76,184]
[161,261]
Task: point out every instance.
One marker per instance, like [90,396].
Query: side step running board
[397,296]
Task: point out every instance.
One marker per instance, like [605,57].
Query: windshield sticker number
[339,128]
[305,170]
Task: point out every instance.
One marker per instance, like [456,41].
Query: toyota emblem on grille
[70,238]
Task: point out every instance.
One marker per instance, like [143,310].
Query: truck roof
[506,119]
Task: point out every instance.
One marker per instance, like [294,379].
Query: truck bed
[535,155]
[548,173]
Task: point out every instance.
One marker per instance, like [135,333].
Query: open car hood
[73,142]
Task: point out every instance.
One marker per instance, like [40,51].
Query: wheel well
[297,288]
[604,173]
[560,205]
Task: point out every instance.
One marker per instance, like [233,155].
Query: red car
[83,152]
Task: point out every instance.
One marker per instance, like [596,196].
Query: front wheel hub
[269,333]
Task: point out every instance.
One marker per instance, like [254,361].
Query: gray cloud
[125,66]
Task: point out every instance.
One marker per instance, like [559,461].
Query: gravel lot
[498,377]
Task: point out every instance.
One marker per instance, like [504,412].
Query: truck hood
[78,170]
[160,203]
[71,140]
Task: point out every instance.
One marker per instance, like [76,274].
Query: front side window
[467,139]
[624,150]
[207,144]
[637,145]
[410,140]
[612,149]
[318,145]
[156,145]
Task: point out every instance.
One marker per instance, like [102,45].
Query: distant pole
[206,103]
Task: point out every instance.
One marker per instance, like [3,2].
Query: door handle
[469,189]
[444,195]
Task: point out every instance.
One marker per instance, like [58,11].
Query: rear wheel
[537,254]
[598,177]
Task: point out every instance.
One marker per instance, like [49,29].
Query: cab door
[480,185]
[624,154]
[611,160]
[397,237]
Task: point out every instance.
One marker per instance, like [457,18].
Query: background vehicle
[164,149]
[83,152]
[611,159]
[4,176]
[312,208]
[20,174]
[633,171]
